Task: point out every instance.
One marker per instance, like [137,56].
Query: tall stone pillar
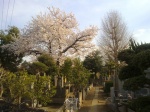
[147,73]
[62,81]
[55,80]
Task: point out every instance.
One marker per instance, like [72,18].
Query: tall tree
[114,35]
[75,73]
[93,62]
[80,75]
[8,59]
[55,33]
[137,58]
[42,90]
[50,63]
[66,68]
[37,68]
[44,64]
[114,38]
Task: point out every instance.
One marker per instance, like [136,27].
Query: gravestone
[71,104]
[147,73]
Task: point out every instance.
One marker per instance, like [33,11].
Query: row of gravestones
[145,91]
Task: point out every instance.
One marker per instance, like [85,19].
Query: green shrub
[135,83]
[140,104]
[107,86]
[146,109]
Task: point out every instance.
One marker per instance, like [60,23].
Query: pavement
[95,101]
[53,108]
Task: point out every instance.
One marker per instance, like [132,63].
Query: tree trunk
[19,101]
[1,90]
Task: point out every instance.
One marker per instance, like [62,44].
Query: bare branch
[114,35]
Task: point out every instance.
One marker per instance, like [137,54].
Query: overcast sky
[136,13]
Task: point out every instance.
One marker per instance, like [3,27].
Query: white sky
[136,13]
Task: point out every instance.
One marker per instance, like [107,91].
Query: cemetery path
[95,101]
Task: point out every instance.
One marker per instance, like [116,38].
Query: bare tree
[114,36]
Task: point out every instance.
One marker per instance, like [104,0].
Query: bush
[129,72]
[135,83]
[107,87]
[146,109]
[140,104]
[8,107]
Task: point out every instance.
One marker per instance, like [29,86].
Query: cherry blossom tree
[55,33]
